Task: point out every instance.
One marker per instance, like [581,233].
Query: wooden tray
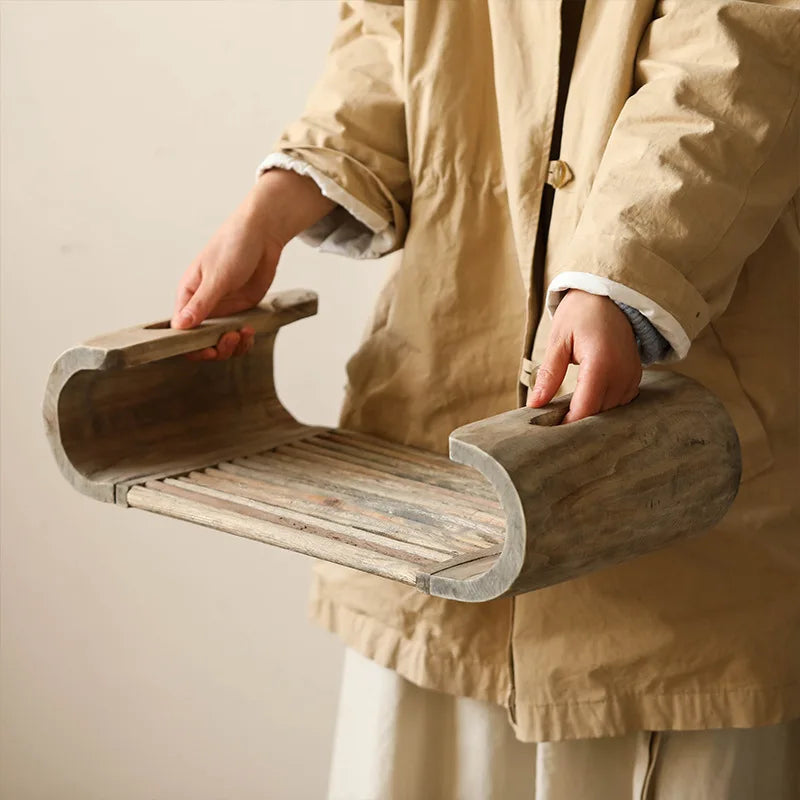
[528,503]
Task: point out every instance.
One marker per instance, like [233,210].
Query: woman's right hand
[237,266]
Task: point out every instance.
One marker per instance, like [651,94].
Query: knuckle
[545,374]
[603,361]
[197,302]
[592,384]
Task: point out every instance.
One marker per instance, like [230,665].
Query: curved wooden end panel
[128,406]
[597,492]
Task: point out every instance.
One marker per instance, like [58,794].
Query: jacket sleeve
[702,160]
[351,137]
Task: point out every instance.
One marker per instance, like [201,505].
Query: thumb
[552,372]
[198,306]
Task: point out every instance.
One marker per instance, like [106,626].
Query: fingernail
[186,316]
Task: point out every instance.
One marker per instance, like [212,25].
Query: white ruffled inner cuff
[351,229]
[662,320]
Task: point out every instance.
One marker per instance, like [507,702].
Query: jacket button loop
[559,174]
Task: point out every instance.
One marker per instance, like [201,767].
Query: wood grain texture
[524,503]
[222,518]
[331,501]
[593,493]
[128,405]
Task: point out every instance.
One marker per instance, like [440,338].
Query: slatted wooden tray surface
[349,498]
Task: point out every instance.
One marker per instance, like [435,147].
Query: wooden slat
[258,439]
[454,503]
[351,525]
[343,499]
[460,489]
[220,517]
[405,451]
[327,506]
[373,470]
[302,522]
[364,453]
[319,467]
[292,474]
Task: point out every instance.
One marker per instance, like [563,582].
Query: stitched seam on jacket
[625,695]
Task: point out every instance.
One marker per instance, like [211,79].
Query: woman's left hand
[591,331]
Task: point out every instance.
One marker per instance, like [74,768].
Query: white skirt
[397,741]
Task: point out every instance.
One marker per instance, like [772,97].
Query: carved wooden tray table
[522,503]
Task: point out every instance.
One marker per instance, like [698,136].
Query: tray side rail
[128,406]
[600,491]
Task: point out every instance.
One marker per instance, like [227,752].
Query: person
[580,187]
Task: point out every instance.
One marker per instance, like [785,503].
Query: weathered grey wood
[128,405]
[446,512]
[156,341]
[217,516]
[586,495]
[453,483]
[308,523]
[328,507]
[397,475]
[408,516]
[529,502]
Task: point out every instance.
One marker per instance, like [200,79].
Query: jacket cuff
[664,323]
[351,229]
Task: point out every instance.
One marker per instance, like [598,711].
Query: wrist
[284,203]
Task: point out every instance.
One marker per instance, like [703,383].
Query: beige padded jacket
[677,193]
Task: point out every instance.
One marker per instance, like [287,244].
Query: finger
[208,354]
[631,393]
[613,397]
[227,345]
[628,395]
[620,396]
[183,297]
[186,288]
[246,339]
[551,373]
[589,394]
[199,306]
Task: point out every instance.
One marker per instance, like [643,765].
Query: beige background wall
[143,657]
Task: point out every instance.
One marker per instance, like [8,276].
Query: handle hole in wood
[551,418]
